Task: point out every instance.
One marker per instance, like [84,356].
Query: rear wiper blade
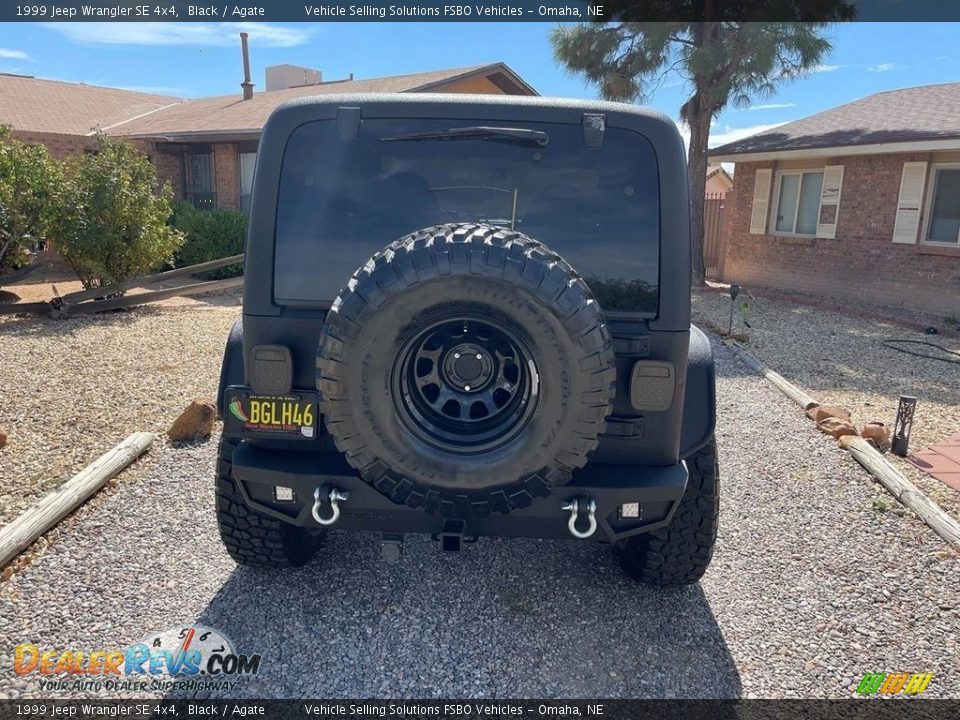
[477,132]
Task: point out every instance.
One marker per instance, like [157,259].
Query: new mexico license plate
[288,416]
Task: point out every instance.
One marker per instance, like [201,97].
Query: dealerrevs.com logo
[191,657]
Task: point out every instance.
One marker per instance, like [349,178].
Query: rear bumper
[259,470]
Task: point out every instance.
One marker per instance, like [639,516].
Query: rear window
[340,202]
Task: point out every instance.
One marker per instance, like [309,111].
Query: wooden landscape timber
[782,384]
[904,490]
[908,494]
[108,297]
[34,522]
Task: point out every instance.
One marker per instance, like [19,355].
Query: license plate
[288,416]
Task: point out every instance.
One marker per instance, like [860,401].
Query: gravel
[73,389]
[810,588]
[840,359]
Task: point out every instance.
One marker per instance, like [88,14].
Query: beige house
[719,182]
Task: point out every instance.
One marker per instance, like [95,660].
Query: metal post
[904,424]
[734,291]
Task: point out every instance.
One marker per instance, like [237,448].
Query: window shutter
[830,201]
[761,201]
[908,205]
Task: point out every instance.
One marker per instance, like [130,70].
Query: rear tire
[679,553]
[250,537]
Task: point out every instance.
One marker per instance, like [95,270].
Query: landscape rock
[878,432]
[836,427]
[828,411]
[845,440]
[3,438]
[194,423]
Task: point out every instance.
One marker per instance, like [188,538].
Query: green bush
[210,235]
[112,223]
[29,182]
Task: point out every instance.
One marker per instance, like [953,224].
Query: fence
[715,230]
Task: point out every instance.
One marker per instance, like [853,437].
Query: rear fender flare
[700,406]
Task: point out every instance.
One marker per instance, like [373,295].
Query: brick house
[204,147]
[860,202]
[63,115]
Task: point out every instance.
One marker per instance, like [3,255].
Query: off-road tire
[679,553]
[252,538]
[418,278]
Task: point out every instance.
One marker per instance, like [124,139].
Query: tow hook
[573,507]
[336,496]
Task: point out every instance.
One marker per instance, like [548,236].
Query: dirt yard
[72,389]
[840,359]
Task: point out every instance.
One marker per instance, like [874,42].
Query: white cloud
[727,134]
[884,67]
[8,54]
[772,106]
[730,134]
[821,68]
[168,33]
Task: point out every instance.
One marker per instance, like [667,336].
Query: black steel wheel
[465,385]
[465,369]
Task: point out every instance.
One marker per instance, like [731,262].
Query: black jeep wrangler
[469,316]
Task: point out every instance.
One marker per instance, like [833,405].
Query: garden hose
[893,342]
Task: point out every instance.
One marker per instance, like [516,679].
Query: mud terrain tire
[679,553]
[252,538]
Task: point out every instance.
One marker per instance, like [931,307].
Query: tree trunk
[699,121]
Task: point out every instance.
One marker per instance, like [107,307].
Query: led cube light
[283,494]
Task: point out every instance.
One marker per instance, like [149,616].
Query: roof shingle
[231,114]
[930,112]
[28,103]
[52,106]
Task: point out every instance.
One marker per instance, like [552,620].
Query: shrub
[113,218]
[29,181]
[210,235]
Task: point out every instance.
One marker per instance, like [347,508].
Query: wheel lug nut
[456,356]
[467,388]
[479,356]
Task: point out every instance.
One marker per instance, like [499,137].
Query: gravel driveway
[73,389]
[810,589]
[840,359]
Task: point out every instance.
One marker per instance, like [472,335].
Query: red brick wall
[862,262]
[169,165]
[59,145]
[226,175]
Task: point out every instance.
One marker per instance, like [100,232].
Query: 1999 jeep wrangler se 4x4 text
[469,316]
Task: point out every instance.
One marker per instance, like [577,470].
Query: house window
[943,225]
[797,205]
[247,162]
[200,188]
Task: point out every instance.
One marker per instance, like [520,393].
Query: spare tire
[465,369]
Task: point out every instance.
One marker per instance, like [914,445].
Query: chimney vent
[282,77]
[246,84]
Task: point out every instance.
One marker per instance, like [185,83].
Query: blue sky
[198,59]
